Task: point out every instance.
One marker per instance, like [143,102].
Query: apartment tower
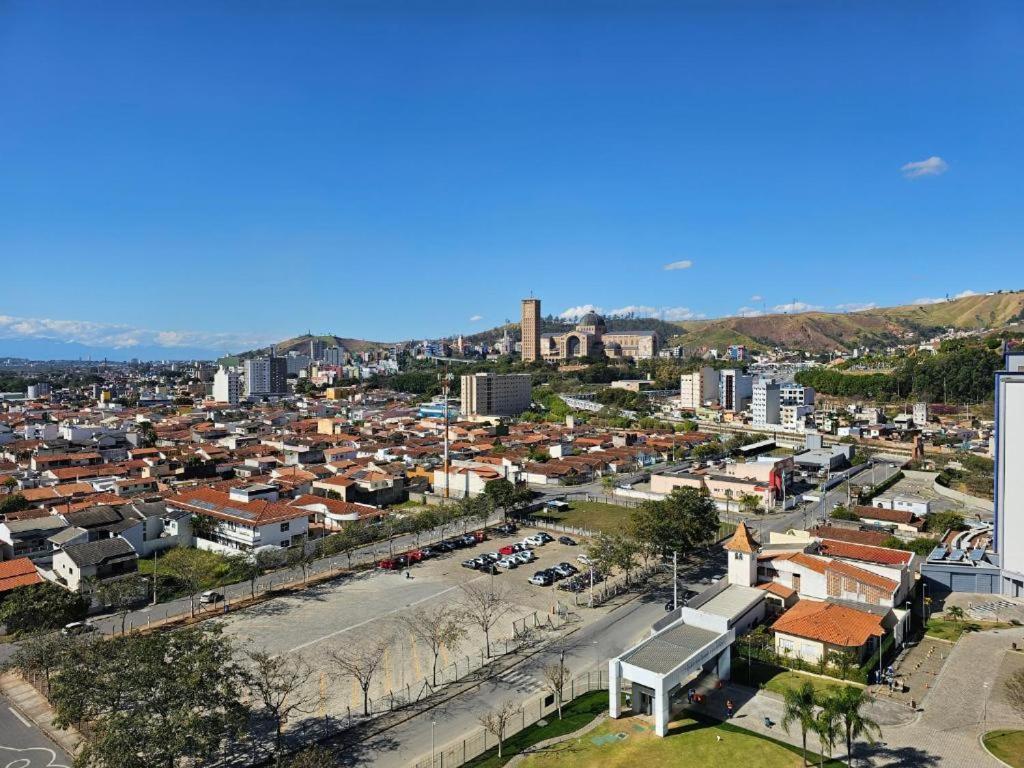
[530,328]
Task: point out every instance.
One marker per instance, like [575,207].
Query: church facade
[590,338]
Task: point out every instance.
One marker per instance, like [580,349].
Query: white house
[231,525]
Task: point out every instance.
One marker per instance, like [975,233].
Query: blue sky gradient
[206,175]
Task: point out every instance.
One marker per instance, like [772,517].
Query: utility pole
[445,386]
[675,579]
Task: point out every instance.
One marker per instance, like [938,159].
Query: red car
[414,555]
[480,535]
[389,565]
[509,550]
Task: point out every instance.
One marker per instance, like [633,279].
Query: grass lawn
[945,629]
[594,515]
[575,715]
[217,570]
[1008,746]
[772,679]
[631,742]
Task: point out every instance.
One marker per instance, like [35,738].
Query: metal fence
[476,743]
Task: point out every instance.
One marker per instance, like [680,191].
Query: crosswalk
[521,681]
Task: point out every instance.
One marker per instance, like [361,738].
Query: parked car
[507,563]
[479,536]
[469,563]
[77,628]
[535,541]
[444,546]
[429,552]
[545,536]
[541,579]
[506,528]
[567,541]
[584,560]
[209,597]
[565,570]
[414,556]
[469,540]
[524,557]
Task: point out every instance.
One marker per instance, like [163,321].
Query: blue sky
[204,176]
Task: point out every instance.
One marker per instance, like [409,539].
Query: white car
[584,560]
[508,563]
[524,557]
[536,541]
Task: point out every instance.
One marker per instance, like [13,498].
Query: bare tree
[280,685]
[484,607]
[556,677]
[439,629]
[497,721]
[121,594]
[1015,691]
[360,663]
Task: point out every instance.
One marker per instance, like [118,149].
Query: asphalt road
[23,745]
[589,649]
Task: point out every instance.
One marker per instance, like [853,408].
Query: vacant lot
[592,515]
[356,610]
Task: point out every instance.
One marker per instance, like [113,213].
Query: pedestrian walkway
[521,681]
[34,706]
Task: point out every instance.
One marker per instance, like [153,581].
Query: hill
[301,344]
[825,331]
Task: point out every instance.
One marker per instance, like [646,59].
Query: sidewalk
[37,708]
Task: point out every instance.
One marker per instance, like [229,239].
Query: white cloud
[573,313]
[120,336]
[856,306]
[961,295]
[670,314]
[684,264]
[933,166]
[476,318]
[757,297]
[797,306]
[748,312]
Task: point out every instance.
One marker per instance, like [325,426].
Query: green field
[779,681]
[1008,746]
[946,629]
[593,515]
[631,742]
[575,715]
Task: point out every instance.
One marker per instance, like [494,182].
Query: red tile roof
[861,575]
[865,553]
[829,623]
[19,572]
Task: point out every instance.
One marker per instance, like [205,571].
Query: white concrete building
[765,407]
[495,394]
[698,388]
[693,640]
[735,389]
[266,377]
[1009,480]
[227,386]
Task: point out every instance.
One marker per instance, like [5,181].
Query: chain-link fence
[474,744]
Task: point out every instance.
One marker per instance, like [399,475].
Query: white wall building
[735,389]
[227,386]
[1009,482]
[698,388]
[766,403]
[495,394]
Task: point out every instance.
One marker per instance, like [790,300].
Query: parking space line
[343,630]
[27,723]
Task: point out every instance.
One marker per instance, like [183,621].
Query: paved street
[23,745]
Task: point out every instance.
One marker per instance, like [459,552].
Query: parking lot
[357,609]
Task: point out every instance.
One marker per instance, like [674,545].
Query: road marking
[51,760]
[343,630]
[17,714]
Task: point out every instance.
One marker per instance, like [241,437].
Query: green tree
[848,702]
[940,522]
[151,699]
[121,594]
[193,569]
[827,724]
[798,707]
[13,502]
[956,614]
[249,567]
[40,654]
[684,520]
[502,494]
[301,558]
[315,756]
[41,607]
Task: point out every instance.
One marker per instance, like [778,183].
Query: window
[284,527]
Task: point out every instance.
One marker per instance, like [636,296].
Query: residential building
[811,630]
[1009,479]
[920,414]
[698,388]
[766,403]
[266,377]
[37,390]
[20,572]
[735,389]
[530,329]
[232,525]
[495,394]
[227,386]
[76,564]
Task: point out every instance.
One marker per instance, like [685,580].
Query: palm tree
[848,702]
[956,613]
[827,722]
[798,707]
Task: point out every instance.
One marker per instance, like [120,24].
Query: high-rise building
[495,394]
[530,328]
[266,376]
[735,389]
[316,349]
[227,386]
[1009,483]
[767,401]
[697,388]
[335,356]
[920,414]
[38,390]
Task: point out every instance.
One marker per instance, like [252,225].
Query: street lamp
[433,723]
